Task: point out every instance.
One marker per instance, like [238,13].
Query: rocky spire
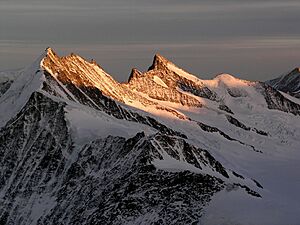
[50,52]
[295,71]
[135,73]
[159,62]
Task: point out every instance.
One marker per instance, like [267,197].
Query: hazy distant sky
[251,39]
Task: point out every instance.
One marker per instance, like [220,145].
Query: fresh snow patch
[42,204]
[172,165]
[29,81]
[159,81]
[291,98]
[87,124]
[182,73]
[9,75]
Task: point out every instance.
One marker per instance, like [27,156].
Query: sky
[251,39]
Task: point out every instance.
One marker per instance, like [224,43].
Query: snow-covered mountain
[288,83]
[6,79]
[78,147]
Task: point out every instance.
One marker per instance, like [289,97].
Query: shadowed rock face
[239,124]
[129,188]
[47,180]
[32,164]
[4,86]
[289,83]
[275,100]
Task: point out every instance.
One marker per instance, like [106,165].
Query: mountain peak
[159,57]
[54,56]
[135,73]
[49,51]
[74,72]
[226,76]
[50,54]
[159,62]
[296,70]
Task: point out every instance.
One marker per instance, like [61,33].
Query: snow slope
[29,80]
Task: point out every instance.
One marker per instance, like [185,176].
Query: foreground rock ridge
[78,147]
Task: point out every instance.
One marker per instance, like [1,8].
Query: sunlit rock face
[79,80]
[163,83]
[74,72]
[78,147]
